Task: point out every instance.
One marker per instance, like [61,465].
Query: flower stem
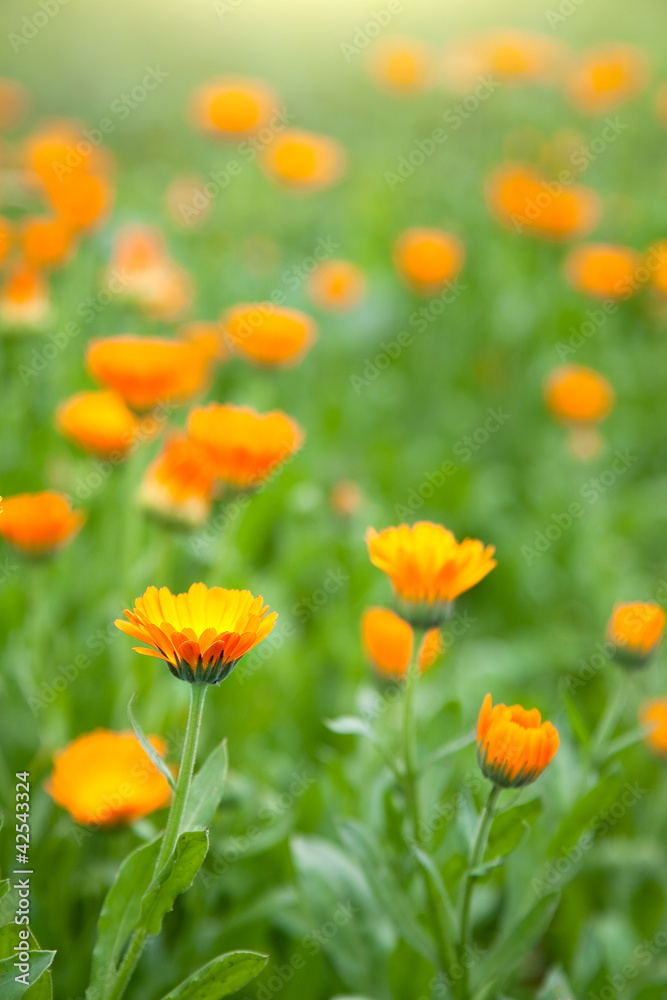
[609,718]
[476,857]
[171,832]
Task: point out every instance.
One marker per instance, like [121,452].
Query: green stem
[475,859]
[171,832]
[609,719]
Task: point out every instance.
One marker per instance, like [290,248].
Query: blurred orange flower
[654,713]
[337,285]
[402,65]
[388,641]
[509,55]
[603,270]
[6,237]
[428,568]
[151,278]
[346,498]
[207,337]
[232,107]
[178,485]
[635,630]
[39,523]
[428,258]
[513,744]
[81,200]
[107,779]
[146,371]
[99,422]
[245,446]
[46,242]
[202,634]
[14,102]
[521,198]
[656,261]
[268,334]
[606,76]
[55,151]
[24,297]
[304,160]
[578,394]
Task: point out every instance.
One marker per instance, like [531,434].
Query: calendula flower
[55,152]
[268,334]
[603,270]
[513,744]
[151,279]
[522,199]
[656,262]
[107,779]
[578,394]
[179,484]
[46,242]
[388,640]
[654,714]
[245,446]
[100,422]
[201,635]
[402,65]
[39,523]
[337,285]
[304,160]
[232,107]
[24,298]
[428,568]
[605,77]
[146,371]
[81,200]
[428,258]
[635,631]
[14,102]
[508,55]
[207,338]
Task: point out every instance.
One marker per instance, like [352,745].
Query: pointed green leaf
[349,725]
[148,747]
[206,790]
[224,975]
[177,876]
[39,962]
[510,827]
[4,887]
[512,948]
[585,812]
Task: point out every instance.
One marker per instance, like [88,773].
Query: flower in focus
[268,334]
[24,298]
[402,65]
[39,523]
[202,634]
[635,631]
[245,446]
[146,371]
[603,270]
[233,106]
[337,285]
[605,77]
[577,394]
[654,714]
[151,279]
[179,484]
[508,55]
[304,160]
[99,422]
[427,259]
[521,198]
[387,641]
[46,242]
[513,744]
[107,779]
[428,568]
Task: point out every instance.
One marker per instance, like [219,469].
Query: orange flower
[521,198]
[178,484]
[57,151]
[578,394]
[151,278]
[635,630]
[24,298]
[656,261]
[107,779]
[388,641]
[207,338]
[428,568]
[233,106]
[39,523]
[304,160]
[654,713]
[428,258]
[46,242]
[99,422]
[146,371]
[6,235]
[337,285]
[245,446]
[604,270]
[14,102]
[509,55]
[513,744]
[268,334]
[346,498]
[605,77]
[402,65]
[201,635]
[81,200]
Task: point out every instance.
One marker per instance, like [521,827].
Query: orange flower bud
[388,641]
[513,744]
[428,258]
[578,394]
[635,630]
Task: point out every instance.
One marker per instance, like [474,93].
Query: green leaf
[4,887]
[39,962]
[224,975]
[510,827]
[206,790]
[42,989]
[120,914]
[349,725]
[511,949]
[575,716]
[177,876]
[555,985]
[148,747]
[586,811]
[448,749]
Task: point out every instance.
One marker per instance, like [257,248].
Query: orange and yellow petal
[635,630]
[100,422]
[578,394]
[514,746]
[39,523]
[268,334]
[427,259]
